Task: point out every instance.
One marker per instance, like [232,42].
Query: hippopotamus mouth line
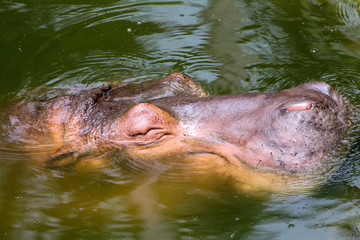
[233,159]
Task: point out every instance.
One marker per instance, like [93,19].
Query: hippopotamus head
[172,121]
[292,129]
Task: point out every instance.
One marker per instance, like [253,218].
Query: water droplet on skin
[139,23]
[129,30]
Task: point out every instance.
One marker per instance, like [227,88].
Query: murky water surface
[228,47]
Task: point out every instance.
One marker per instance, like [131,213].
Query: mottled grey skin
[173,118]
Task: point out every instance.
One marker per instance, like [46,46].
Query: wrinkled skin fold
[173,120]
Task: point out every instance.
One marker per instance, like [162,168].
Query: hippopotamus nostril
[325,89]
[320,86]
[299,107]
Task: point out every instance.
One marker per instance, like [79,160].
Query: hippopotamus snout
[290,129]
[307,126]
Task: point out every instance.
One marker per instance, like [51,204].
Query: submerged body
[172,119]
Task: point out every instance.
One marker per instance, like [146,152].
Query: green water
[228,47]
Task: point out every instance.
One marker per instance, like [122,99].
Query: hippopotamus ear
[146,122]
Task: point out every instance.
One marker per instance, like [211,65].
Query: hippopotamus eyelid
[147,131]
[127,142]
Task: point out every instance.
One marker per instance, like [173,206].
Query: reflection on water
[228,46]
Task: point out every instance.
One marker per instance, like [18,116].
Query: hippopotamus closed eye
[171,117]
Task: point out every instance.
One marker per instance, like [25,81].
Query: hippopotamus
[173,118]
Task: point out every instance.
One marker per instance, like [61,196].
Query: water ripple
[129,39]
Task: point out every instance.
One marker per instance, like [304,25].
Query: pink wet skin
[173,118]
